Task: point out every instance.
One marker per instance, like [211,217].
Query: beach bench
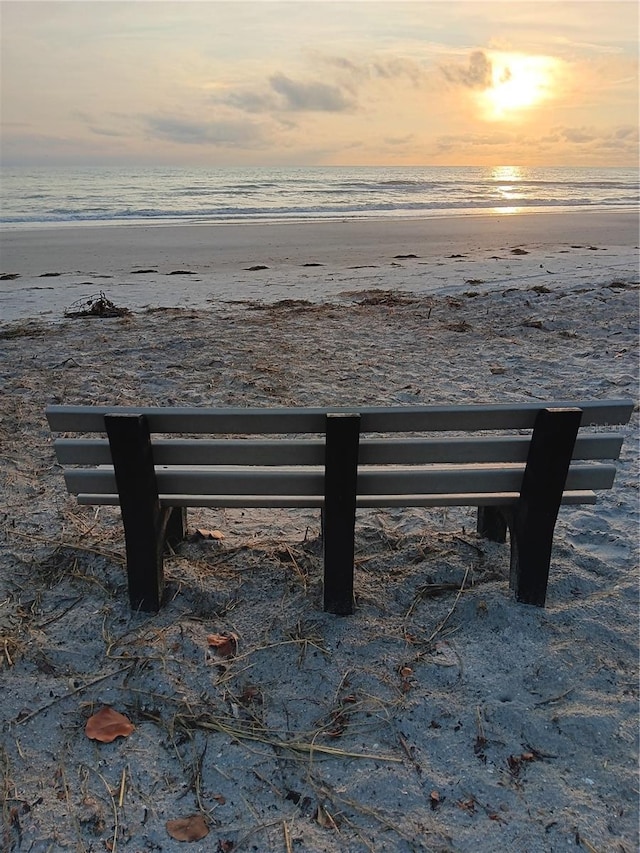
[517,463]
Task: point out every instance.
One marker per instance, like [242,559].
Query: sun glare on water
[518,83]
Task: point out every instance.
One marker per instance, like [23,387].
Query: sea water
[36,197]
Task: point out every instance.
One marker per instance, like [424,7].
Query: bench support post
[145,523]
[492,523]
[534,517]
[339,517]
[176,526]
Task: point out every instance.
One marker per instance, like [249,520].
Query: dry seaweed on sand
[390,298]
[96,306]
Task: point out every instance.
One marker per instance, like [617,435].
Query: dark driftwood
[339,517]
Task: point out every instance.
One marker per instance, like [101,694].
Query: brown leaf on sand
[324,819]
[209,534]
[106,725]
[191,828]
[224,644]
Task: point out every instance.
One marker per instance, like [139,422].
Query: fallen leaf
[250,694]
[225,644]
[324,819]
[191,828]
[106,725]
[209,534]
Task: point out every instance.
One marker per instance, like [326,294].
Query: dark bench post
[143,519]
[176,524]
[492,523]
[339,517]
[536,511]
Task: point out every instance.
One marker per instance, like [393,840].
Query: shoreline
[196,266]
[397,216]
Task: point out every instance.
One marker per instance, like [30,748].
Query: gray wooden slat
[208,481]
[185,451]
[432,480]
[296,501]
[373,419]
[491,499]
[228,501]
[181,451]
[473,479]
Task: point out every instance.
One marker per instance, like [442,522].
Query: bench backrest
[406,470]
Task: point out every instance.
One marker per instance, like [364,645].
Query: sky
[371,82]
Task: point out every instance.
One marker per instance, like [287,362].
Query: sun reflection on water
[506,187]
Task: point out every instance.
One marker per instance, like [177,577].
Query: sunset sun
[518,83]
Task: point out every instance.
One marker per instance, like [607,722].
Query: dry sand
[433,719]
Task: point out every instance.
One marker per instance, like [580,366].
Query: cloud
[310,97]
[389,68]
[623,138]
[251,101]
[477,75]
[578,134]
[105,131]
[223,133]
[468,140]
[286,95]
[573,142]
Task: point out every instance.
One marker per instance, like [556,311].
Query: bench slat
[258,480]
[296,501]
[373,419]
[179,451]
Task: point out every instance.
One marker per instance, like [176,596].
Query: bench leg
[144,521]
[536,511]
[492,523]
[176,525]
[339,516]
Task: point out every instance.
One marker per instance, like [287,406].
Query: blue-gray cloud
[222,133]
[310,97]
[477,74]
[286,95]
[388,68]
[623,138]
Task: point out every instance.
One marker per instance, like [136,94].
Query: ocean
[38,197]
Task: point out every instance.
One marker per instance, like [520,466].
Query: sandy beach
[201,266]
[442,715]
